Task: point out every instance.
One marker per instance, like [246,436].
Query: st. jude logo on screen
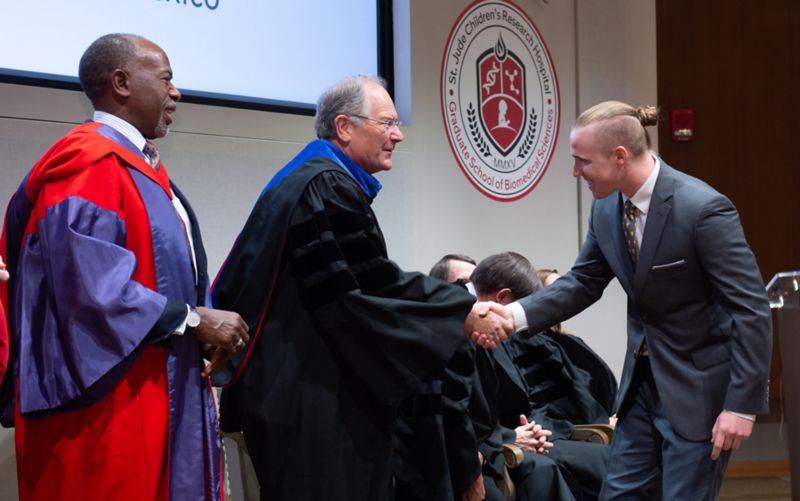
[500,100]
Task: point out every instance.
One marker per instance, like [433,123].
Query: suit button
[644,317]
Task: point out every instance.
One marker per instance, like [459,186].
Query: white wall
[222,157]
[616,60]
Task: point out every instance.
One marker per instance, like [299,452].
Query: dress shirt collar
[641,199]
[121,126]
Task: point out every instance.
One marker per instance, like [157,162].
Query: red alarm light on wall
[682,122]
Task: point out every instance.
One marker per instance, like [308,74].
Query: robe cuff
[172,318]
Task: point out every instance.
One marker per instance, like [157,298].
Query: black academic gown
[538,477]
[538,373]
[537,378]
[438,431]
[603,384]
[339,336]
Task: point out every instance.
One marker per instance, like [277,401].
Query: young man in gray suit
[699,332]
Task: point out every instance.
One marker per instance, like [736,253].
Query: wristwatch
[193,320]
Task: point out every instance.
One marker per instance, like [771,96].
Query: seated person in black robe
[603,383]
[539,384]
[434,450]
[341,335]
[454,268]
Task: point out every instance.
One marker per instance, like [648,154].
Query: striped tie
[629,229]
[152,153]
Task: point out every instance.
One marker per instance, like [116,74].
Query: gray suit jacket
[696,296]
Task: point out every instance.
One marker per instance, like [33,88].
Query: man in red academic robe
[106,382]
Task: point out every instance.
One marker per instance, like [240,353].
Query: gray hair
[101,58]
[346,97]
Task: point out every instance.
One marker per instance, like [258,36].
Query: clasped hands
[488,324]
[222,334]
[532,437]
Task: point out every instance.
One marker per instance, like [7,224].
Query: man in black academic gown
[539,385]
[341,334]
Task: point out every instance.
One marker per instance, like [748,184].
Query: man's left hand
[728,432]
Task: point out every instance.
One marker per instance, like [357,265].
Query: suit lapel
[660,207]
[612,242]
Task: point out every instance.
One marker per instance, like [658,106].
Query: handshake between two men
[489,324]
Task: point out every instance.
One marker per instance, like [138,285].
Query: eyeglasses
[387,123]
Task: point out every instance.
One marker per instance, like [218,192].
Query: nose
[174,93]
[395,134]
[576,168]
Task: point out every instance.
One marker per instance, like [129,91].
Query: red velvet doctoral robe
[101,410]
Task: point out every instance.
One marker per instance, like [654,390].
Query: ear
[504,296]
[620,155]
[344,128]
[120,83]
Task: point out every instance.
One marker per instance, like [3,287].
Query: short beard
[161,131]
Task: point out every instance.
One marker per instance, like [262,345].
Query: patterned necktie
[152,153]
[629,229]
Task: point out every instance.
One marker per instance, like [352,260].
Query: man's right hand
[222,334]
[489,324]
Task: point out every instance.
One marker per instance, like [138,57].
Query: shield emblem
[501,95]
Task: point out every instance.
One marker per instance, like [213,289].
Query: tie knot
[152,153]
[630,209]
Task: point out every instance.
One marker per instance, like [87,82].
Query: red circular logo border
[442,98]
